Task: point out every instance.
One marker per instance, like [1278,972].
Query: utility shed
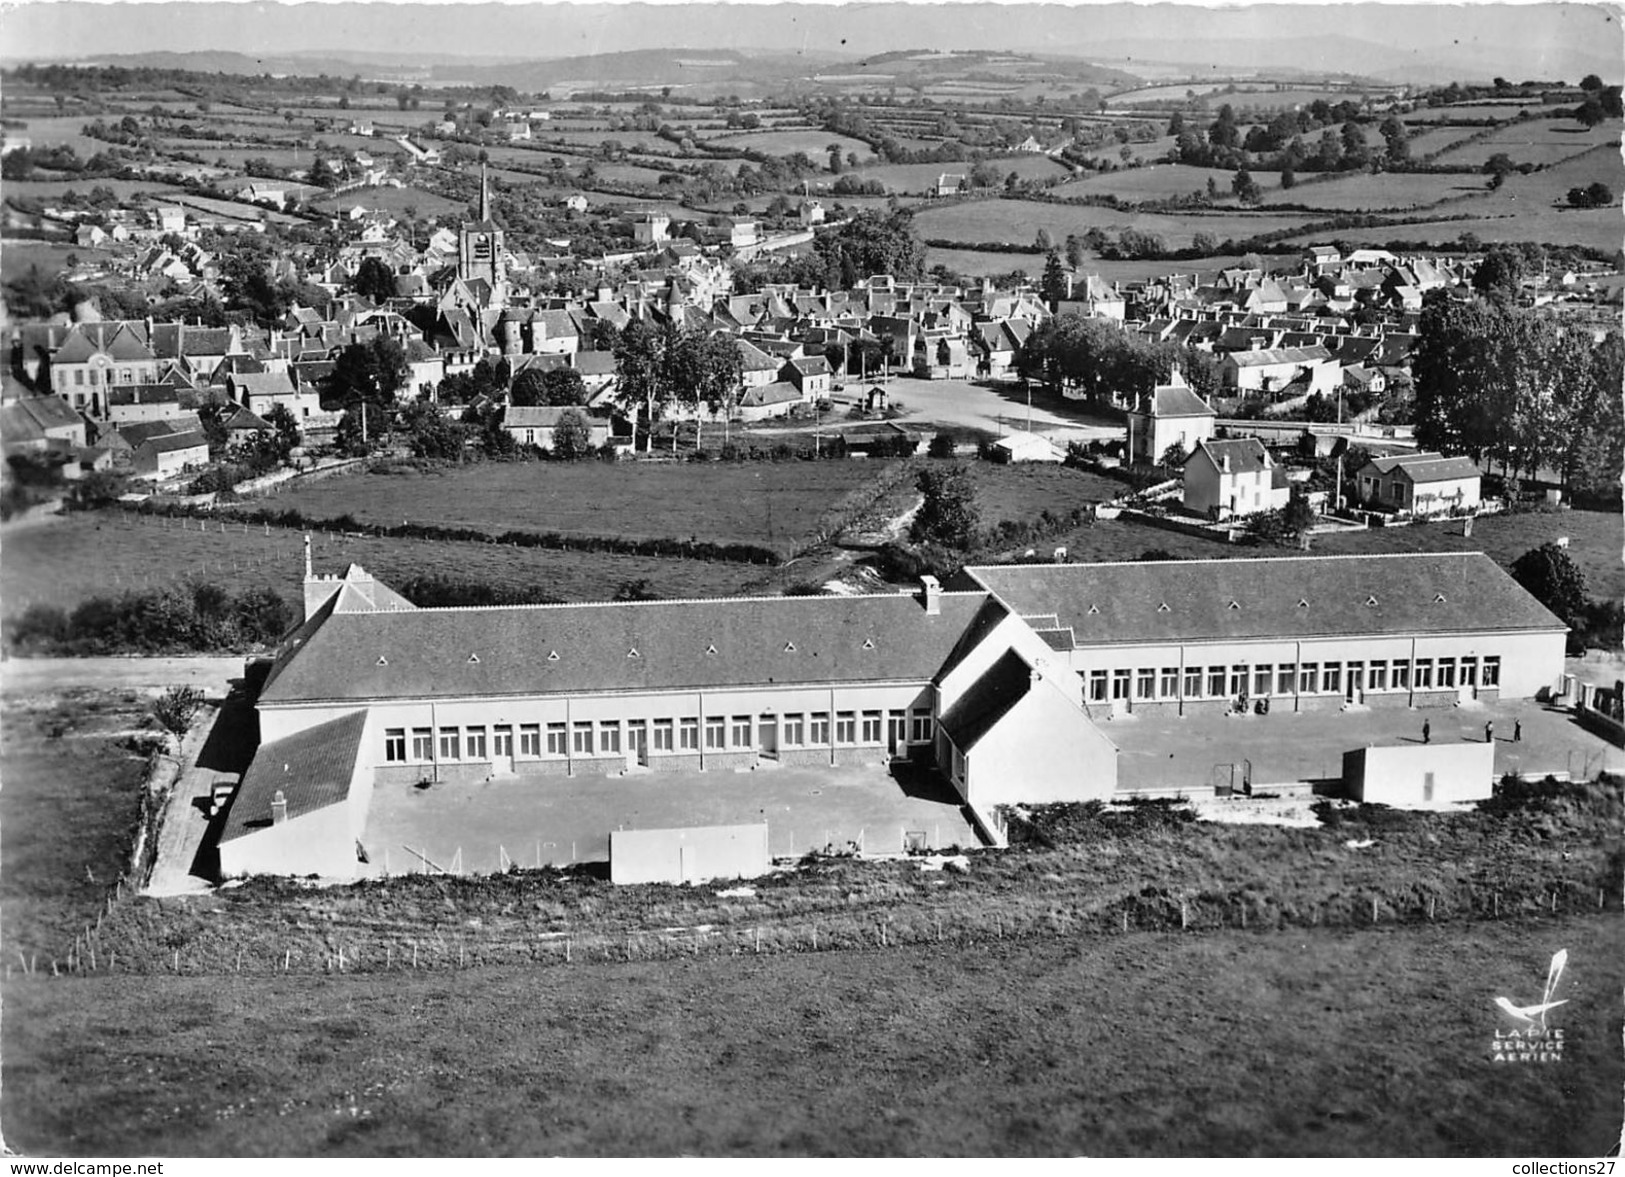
[688,855]
[1420,776]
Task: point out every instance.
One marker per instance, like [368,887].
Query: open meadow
[68,811]
[1354,1043]
[65,561]
[1537,141]
[1018,222]
[1366,192]
[776,504]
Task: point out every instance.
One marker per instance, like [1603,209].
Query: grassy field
[69,806]
[769,503]
[1594,543]
[68,560]
[1022,492]
[1324,1044]
[1366,192]
[1474,110]
[814,142]
[1160,182]
[975,263]
[1541,141]
[1018,221]
[395,200]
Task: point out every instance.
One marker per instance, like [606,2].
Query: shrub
[176,708]
[942,445]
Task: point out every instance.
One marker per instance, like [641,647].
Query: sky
[1540,35]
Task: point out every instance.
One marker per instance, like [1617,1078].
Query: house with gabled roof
[1420,484]
[94,356]
[1170,414]
[1230,479]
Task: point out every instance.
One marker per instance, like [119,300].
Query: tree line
[1513,386]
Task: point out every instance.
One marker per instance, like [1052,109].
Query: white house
[1225,479]
[1171,414]
[1420,484]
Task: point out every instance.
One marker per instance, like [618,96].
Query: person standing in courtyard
[1427,732]
[1489,732]
[1517,731]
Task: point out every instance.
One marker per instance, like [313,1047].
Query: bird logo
[1532,1015]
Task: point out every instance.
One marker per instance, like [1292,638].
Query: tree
[1245,187]
[1053,284]
[1498,167]
[1074,250]
[1396,138]
[572,436]
[949,515]
[430,435]
[1590,113]
[559,386]
[1499,274]
[1289,178]
[872,242]
[1205,243]
[285,428]
[369,374]
[1594,195]
[1550,575]
[1591,83]
[1043,241]
[1173,458]
[373,280]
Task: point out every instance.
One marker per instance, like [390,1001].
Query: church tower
[479,253]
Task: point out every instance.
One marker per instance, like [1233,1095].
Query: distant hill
[636,68]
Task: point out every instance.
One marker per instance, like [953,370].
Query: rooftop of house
[1175,400]
[1245,455]
[1425,467]
[1284,598]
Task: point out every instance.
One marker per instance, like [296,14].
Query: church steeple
[485,196]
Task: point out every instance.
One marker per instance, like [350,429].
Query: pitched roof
[1247,455]
[1176,400]
[1428,467]
[987,700]
[139,432]
[777,393]
[169,443]
[1279,355]
[50,412]
[1191,600]
[540,416]
[648,645]
[312,770]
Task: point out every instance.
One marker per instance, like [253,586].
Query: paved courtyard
[545,820]
[1191,753]
[996,408]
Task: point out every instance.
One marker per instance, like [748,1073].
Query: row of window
[1149,683]
[614,737]
[100,376]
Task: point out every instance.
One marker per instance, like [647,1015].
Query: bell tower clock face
[480,247]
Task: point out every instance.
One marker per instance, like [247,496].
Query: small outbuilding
[1420,776]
